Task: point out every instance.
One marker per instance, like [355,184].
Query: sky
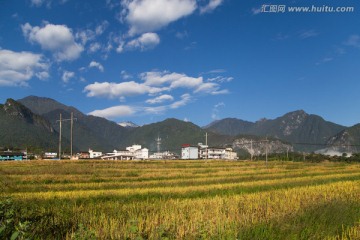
[194,60]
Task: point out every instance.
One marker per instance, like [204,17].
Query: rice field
[179,200]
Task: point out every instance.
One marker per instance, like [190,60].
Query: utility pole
[60,121]
[251,149]
[206,144]
[266,151]
[71,132]
[158,143]
[287,153]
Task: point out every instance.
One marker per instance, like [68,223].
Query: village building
[131,153]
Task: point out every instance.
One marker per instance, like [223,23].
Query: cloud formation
[144,42]
[97,65]
[151,15]
[17,68]
[67,75]
[160,99]
[113,112]
[126,110]
[211,6]
[353,41]
[118,90]
[57,39]
[154,82]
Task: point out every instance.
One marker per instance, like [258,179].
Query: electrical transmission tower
[158,143]
[71,132]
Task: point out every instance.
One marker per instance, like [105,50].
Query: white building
[93,154]
[215,153]
[142,154]
[189,152]
[131,153]
[206,152]
[229,154]
[163,155]
[50,155]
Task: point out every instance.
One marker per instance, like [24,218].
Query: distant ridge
[294,127]
[35,118]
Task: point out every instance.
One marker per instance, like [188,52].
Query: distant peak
[297,112]
[128,124]
[261,120]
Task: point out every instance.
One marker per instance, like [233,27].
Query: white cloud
[185,99]
[125,75]
[144,42]
[42,75]
[17,68]
[207,88]
[217,71]
[308,34]
[37,3]
[174,80]
[216,110]
[353,41]
[113,112]
[67,75]
[155,83]
[220,79]
[160,99]
[118,90]
[220,92]
[154,110]
[94,47]
[97,65]
[55,38]
[150,15]
[85,36]
[125,110]
[256,11]
[100,29]
[211,6]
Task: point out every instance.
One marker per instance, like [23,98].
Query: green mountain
[173,134]
[230,126]
[296,127]
[347,140]
[88,131]
[21,128]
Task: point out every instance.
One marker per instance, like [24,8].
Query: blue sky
[195,60]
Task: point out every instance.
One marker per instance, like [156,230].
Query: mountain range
[32,121]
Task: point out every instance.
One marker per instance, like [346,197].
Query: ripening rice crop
[184,199]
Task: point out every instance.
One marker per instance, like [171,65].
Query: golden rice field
[179,200]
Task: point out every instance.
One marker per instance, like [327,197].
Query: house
[50,155]
[215,153]
[10,155]
[163,155]
[189,152]
[230,154]
[93,154]
[84,155]
[205,152]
